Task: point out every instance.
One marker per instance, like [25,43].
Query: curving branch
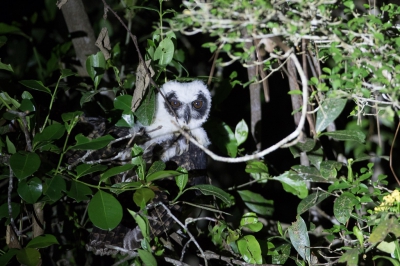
[287,140]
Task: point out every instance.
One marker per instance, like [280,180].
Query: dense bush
[303,129]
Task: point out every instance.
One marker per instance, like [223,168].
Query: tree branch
[293,135]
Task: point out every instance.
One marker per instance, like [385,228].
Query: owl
[188,105]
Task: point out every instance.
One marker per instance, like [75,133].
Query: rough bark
[83,38]
[255,97]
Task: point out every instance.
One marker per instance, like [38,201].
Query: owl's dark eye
[197,104]
[175,103]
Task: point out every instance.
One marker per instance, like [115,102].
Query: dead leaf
[142,82]
[103,43]
[60,3]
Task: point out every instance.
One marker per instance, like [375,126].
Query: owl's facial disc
[190,110]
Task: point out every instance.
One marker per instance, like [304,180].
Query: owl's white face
[191,103]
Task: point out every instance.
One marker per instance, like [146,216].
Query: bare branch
[22,116]
[10,188]
[192,238]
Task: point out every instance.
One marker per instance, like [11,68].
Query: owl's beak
[186,115]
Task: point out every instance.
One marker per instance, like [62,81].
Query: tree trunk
[81,31]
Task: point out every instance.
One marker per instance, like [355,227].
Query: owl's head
[190,101]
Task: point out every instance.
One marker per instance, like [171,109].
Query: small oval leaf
[30,191]
[105,211]
[24,164]
[42,241]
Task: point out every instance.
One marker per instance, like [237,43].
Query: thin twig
[22,116]
[192,238]
[10,188]
[391,154]
[175,262]
[212,255]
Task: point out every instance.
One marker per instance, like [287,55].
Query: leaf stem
[51,104]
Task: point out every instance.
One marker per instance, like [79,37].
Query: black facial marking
[201,111]
[171,97]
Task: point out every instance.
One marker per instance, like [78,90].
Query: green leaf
[329,110]
[241,132]
[346,135]
[181,180]
[24,164]
[53,132]
[350,257]
[115,171]
[310,173]
[311,200]
[5,258]
[4,211]
[143,224]
[95,66]
[79,192]
[28,256]
[283,255]
[156,166]
[250,249]
[293,184]
[84,143]
[164,52]
[216,233]
[30,191]
[161,174]
[127,120]
[5,28]
[124,103]
[147,258]
[306,146]
[27,105]
[256,202]
[328,169]
[9,100]
[256,167]
[71,116]
[393,261]
[105,211]
[35,85]
[66,73]
[223,137]
[10,146]
[299,237]
[210,190]
[53,187]
[42,241]
[343,207]
[87,97]
[359,234]
[4,66]
[147,108]
[250,220]
[85,169]
[143,195]
[385,227]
